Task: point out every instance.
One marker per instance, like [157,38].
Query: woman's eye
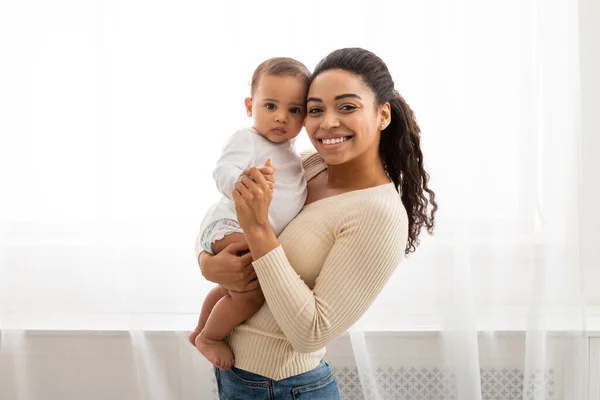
[270,106]
[314,110]
[347,107]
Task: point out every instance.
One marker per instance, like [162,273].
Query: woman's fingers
[267,171]
[263,170]
[253,183]
[236,193]
[269,177]
[252,285]
[267,174]
[246,181]
[257,177]
[251,276]
[246,260]
[237,247]
[241,188]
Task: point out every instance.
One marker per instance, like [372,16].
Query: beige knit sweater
[335,258]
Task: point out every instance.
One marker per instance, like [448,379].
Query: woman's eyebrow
[343,96]
[338,97]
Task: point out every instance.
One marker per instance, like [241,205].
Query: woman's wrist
[261,240]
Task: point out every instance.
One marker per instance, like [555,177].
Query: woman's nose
[330,122]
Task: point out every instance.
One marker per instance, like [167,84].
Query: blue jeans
[317,384]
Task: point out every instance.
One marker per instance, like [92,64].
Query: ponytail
[400,151]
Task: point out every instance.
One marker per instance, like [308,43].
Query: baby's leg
[230,311]
[219,245]
[216,293]
[210,300]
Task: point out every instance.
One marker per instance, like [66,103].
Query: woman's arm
[361,261]
[364,255]
[229,269]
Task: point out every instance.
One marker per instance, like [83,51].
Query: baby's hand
[267,170]
[269,163]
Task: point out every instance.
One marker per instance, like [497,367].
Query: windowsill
[160,322]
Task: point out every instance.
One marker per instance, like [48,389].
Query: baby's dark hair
[400,143]
[279,66]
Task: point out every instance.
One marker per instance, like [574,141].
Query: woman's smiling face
[342,118]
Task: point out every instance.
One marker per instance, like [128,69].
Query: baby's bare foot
[216,351]
[193,335]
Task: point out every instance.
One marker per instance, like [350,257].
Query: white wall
[589,19]
[164,366]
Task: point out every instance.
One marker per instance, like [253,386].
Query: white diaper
[217,231]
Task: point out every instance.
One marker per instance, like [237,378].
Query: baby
[277,105]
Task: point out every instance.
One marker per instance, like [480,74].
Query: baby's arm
[238,154]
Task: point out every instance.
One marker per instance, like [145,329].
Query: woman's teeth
[333,141]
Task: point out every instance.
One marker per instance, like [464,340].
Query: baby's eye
[295,110]
[270,106]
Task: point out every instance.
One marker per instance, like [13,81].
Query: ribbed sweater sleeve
[366,250]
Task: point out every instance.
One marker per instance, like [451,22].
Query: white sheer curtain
[113,114]
[501,121]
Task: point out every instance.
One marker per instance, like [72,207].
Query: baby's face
[278,107]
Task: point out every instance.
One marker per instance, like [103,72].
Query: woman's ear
[248,103]
[385,116]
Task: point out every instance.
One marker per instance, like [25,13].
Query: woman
[330,263]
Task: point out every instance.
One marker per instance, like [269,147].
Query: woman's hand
[267,170]
[229,269]
[252,195]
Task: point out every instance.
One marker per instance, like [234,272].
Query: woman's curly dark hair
[399,146]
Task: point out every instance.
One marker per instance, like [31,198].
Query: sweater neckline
[357,191]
